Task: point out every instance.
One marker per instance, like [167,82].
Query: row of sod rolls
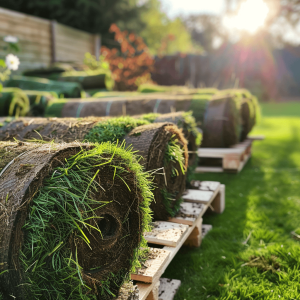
[161,146]
[218,117]
[72,219]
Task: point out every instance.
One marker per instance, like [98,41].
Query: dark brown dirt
[151,142]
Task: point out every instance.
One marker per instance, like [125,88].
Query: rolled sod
[90,79]
[249,109]
[186,122]
[164,149]
[72,219]
[220,114]
[67,89]
[39,101]
[13,102]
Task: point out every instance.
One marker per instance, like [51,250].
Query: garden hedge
[72,219]
[163,149]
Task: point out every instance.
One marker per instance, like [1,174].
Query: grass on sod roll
[189,125]
[13,102]
[59,210]
[113,129]
[116,128]
[249,253]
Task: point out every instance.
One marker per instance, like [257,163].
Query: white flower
[10,39]
[12,62]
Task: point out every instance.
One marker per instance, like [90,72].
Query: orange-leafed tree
[132,63]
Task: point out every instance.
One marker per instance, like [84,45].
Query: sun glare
[250,17]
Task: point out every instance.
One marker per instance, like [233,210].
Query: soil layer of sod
[72,219]
[164,140]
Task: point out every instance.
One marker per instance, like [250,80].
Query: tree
[93,16]
[163,35]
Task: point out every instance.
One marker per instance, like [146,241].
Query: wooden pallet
[167,238]
[231,160]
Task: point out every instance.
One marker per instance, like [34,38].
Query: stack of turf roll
[249,108]
[72,219]
[161,146]
[13,102]
[65,89]
[217,116]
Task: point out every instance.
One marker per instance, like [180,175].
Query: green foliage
[113,129]
[93,64]
[171,204]
[190,126]
[162,35]
[262,208]
[174,153]
[150,117]
[57,213]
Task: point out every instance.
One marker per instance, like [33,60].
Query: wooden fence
[42,41]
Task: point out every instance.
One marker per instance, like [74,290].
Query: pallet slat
[233,159]
[188,213]
[166,233]
[152,268]
[195,230]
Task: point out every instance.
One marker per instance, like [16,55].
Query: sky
[174,8]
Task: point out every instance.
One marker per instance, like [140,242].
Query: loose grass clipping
[72,218]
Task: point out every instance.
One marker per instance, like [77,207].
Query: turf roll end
[74,217]
[164,153]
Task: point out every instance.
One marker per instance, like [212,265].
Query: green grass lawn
[262,202]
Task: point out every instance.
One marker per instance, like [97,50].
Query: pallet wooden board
[153,267]
[166,233]
[233,158]
[195,224]
[206,192]
[188,213]
[168,288]
[128,291]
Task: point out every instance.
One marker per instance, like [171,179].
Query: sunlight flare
[250,17]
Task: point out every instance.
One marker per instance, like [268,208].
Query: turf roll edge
[72,219]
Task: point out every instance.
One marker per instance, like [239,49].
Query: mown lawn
[262,202]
